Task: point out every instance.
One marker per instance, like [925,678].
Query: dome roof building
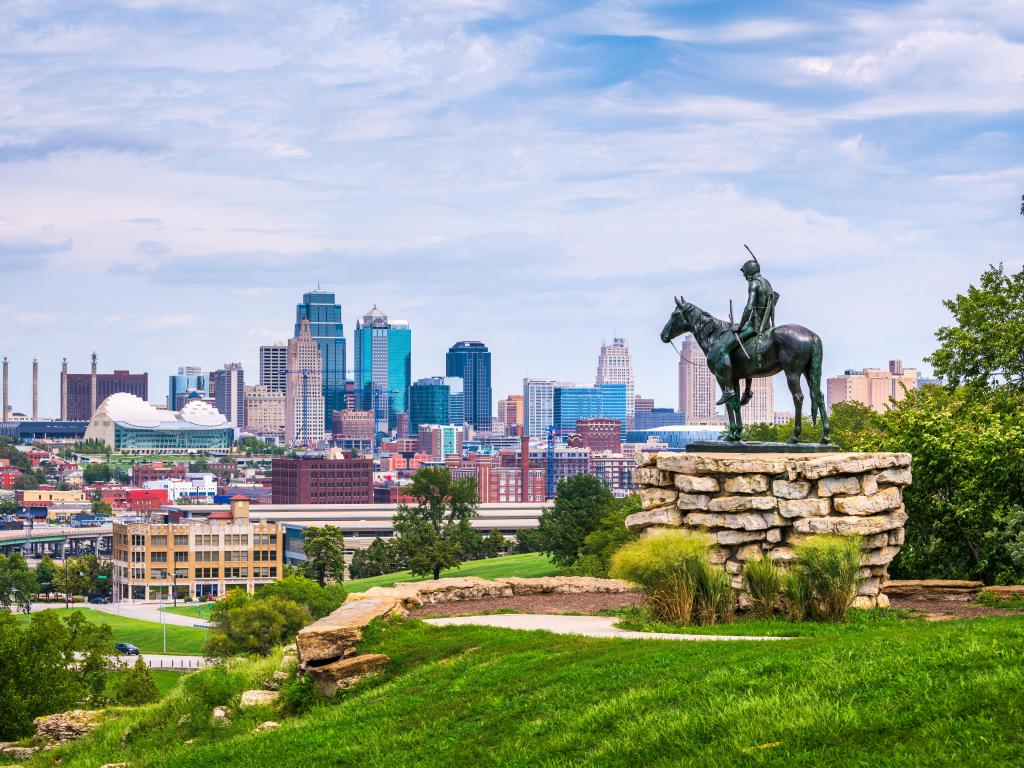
[128,424]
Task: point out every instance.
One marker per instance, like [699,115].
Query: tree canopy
[581,501]
[324,549]
[242,624]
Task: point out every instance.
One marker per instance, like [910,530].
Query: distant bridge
[50,540]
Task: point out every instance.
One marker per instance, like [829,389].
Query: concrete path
[161,661]
[141,611]
[589,626]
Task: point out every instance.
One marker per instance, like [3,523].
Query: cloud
[25,253]
[67,142]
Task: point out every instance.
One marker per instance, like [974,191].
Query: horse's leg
[793,380]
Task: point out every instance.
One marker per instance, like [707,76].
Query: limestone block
[329,637]
[665,516]
[881,556]
[785,489]
[897,537]
[269,725]
[774,536]
[882,600]
[782,554]
[693,501]
[877,541]
[749,552]
[855,526]
[831,486]
[882,501]
[220,717]
[567,585]
[342,674]
[657,497]
[740,503]
[729,538]
[733,567]
[721,463]
[256,698]
[67,726]
[869,484]
[746,484]
[869,586]
[718,555]
[774,519]
[897,476]
[804,507]
[650,460]
[864,573]
[737,582]
[747,522]
[651,476]
[940,588]
[695,484]
[864,602]
[815,467]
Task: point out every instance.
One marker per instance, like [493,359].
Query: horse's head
[678,322]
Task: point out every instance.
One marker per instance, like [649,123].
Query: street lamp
[28,602]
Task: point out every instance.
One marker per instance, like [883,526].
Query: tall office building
[510,411]
[229,388]
[325,326]
[456,401]
[304,397]
[264,411]
[87,390]
[697,393]
[615,366]
[873,387]
[571,403]
[538,406]
[274,366]
[189,379]
[383,367]
[761,408]
[428,403]
[471,362]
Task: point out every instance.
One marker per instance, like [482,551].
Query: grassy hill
[529,565]
[148,636]
[880,690]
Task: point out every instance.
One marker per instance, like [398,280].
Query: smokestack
[35,389]
[64,390]
[92,387]
[524,468]
[3,413]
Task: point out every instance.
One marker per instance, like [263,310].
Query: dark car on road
[99,600]
[126,649]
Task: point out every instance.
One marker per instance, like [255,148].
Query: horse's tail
[813,374]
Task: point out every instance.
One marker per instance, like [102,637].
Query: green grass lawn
[195,610]
[881,690]
[165,680]
[529,565]
[147,635]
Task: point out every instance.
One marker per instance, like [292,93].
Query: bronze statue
[754,348]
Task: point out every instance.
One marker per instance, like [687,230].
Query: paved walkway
[140,611]
[589,626]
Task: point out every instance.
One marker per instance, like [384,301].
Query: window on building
[158,557]
[138,540]
[158,541]
[181,557]
[181,539]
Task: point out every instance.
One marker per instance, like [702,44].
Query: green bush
[762,580]
[136,685]
[796,597]
[675,573]
[830,565]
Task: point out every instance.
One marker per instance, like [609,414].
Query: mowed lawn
[879,691]
[148,636]
[194,610]
[529,565]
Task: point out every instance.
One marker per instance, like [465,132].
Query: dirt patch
[551,603]
[937,609]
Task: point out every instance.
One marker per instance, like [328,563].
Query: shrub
[673,569]
[135,685]
[762,580]
[831,565]
[796,598]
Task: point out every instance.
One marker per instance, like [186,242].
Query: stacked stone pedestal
[759,505]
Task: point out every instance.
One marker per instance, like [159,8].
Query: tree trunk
[437,572]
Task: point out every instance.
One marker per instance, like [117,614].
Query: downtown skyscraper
[383,367]
[304,399]
[615,366]
[697,391]
[327,330]
[471,362]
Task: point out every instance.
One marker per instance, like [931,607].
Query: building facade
[615,366]
[195,559]
[229,393]
[322,481]
[383,367]
[657,417]
[572,403]
[86,391]
[600,434]
[274,366]
[440,440]
[471,362]
[143,472]
[265,411]
[510,411]
[304,397]
[697,389]
[538,406]
[429,403]
[129,424]
[874,387]
[325,326]
[189,379]
[761,408]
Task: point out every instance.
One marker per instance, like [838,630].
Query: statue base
[722,446]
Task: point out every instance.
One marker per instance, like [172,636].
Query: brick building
[142,473]
[322,481]
[600,434]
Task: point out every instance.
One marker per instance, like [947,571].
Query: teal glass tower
[327,330]
[471,362]
[429,403]
[383,367]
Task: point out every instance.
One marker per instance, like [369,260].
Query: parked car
[99,599]
[126,649]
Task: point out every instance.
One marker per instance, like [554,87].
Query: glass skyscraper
[471,362]
[326,328]
[383,367]
[574,403]
[187,381]
[428,403]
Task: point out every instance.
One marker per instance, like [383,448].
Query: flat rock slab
[329,637]
[721,446]
[588,626]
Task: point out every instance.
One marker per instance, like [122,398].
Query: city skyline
[539,178]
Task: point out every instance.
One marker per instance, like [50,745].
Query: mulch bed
[556,603]
[937,609]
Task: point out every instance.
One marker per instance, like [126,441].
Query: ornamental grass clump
[830,566]
[674,570]
[762,580]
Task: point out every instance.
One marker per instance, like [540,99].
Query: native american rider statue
[758,316]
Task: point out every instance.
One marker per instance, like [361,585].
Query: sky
[539,176]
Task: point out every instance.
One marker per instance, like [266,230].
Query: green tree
[27,481]
[92,447]
[528,540]
[377,559]
[604,541]
[581,501]
[319,600]
[432,535]
[97,473]
[87,575]
[241,624]
[17,582]
[90,645]
[17,459]
[101,508]
[983,348]
[494,544]
[136,685]
[46,574]
[324,549]
[848,421]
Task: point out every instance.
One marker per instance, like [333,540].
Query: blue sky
[540,176]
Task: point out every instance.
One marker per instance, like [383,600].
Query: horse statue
[792,349]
